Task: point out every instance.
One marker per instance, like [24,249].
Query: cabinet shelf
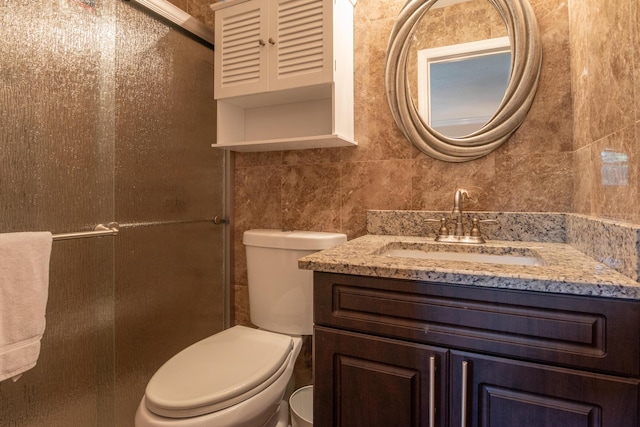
[302,143]
[293,119]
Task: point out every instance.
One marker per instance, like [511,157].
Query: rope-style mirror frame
[526,59]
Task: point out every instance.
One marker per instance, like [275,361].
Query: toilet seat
[218,372]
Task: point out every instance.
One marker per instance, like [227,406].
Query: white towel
[24,289]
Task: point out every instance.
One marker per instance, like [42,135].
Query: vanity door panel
[495,392]
[368,381]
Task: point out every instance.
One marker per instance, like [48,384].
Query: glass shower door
[107,114]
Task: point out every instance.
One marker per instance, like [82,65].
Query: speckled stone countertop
[565,269]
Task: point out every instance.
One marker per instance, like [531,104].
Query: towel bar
[112,228]
[99,230]
[217,220]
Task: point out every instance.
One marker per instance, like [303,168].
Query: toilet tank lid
[301,240]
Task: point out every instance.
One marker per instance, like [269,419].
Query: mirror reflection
[459,65]
[401,70]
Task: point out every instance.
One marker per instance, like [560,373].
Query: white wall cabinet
[270,45]
[283,74]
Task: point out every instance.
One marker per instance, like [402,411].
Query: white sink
[444,255]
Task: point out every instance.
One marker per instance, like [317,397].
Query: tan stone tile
[616,186]
[182,4]
[584,185]
[312,156]
[579,24]
[241,306]
[303,371]
[311,197]
[257,204]
[603,79]
[544,8]
[201,10]
[268,158]
[636,43]
[548,125]
[373,185]
[257,197]
[610,68]
[535,183]
[377,135]
[435,183]
[371,10]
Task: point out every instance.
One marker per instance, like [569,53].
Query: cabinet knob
[261,42]
[271,40]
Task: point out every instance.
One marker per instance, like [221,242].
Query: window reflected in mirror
[460,87]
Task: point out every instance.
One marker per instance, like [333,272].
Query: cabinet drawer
[583,332]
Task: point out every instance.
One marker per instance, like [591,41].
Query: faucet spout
[457,200]
[457,210]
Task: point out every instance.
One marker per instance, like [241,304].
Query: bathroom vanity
[408,341]
[397,352]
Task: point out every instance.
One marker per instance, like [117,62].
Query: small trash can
[301,405]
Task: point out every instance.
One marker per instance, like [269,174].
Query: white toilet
[238,377]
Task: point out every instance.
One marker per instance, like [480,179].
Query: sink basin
[487,255]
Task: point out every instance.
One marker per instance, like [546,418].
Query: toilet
[238,377]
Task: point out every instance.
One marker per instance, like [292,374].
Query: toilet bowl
[238,377]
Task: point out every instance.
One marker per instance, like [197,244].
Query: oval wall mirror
[458,89]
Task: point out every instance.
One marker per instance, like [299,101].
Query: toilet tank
[280,294]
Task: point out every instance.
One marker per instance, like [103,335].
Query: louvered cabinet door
[241,50]
[300,39]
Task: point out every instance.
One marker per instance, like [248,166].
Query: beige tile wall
[605,46]
[331,189]
[199,9]
[590,70]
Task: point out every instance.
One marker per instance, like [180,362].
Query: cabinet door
[241,53]
[300,43]
[494,392]
[367,381]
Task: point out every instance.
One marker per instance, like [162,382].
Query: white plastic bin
[301,405]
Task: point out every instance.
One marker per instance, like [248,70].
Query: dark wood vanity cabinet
[401,353]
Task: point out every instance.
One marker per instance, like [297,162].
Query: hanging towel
[24,288]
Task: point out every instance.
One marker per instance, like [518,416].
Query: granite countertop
[566,270]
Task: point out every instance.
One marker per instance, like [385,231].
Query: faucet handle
[443,231]
[489,221]
[475,227]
